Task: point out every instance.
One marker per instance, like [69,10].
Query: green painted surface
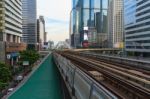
[43,84]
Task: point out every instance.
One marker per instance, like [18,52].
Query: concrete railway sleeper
[138,78]
[118,62]
[138,66]
[140,92]
[80,85]
[129,75]
[128,90]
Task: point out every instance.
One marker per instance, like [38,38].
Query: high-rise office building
[116,28]
[111,23]
[41,31]
[10,30]
[29,23]
[89,21]
[137,26]
[11,20]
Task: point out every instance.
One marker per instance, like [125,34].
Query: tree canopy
[5,75]
[29,55]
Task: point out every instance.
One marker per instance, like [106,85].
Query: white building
[10,30]
[41,34]
[116,28]
[11,20]
[137,26]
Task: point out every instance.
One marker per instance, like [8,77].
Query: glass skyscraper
[92,15]
[29,23]
[137,26]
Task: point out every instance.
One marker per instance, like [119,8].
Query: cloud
[50,20]
[56,13]
[58,9]
[56,37]
[57,29]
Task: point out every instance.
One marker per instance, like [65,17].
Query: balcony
[15,47]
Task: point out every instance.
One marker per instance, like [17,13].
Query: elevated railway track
[134,65]
[80,84]
[124,81]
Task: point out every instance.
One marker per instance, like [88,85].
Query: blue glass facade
[29,22]
[130,12]
[137,26]
[91,14]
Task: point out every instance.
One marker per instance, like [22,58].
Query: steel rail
[109,71]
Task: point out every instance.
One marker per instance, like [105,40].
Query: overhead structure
[62,45]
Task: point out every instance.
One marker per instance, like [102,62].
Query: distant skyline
[56,14]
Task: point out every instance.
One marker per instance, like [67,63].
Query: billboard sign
[25,63]
[85,28]
[85,36]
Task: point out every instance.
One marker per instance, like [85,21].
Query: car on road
[10,90]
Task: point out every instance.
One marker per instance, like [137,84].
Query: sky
[56,13]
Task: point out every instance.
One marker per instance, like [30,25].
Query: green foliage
[3,85]
[29,55]
[31,47]
[130,54]
[5,75]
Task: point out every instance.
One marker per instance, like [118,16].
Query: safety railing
[79,84]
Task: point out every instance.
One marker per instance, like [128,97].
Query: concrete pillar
[18,39]
[4,37]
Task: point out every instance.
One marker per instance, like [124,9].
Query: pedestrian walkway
[43,84]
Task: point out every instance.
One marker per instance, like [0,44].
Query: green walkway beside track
[44,83]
